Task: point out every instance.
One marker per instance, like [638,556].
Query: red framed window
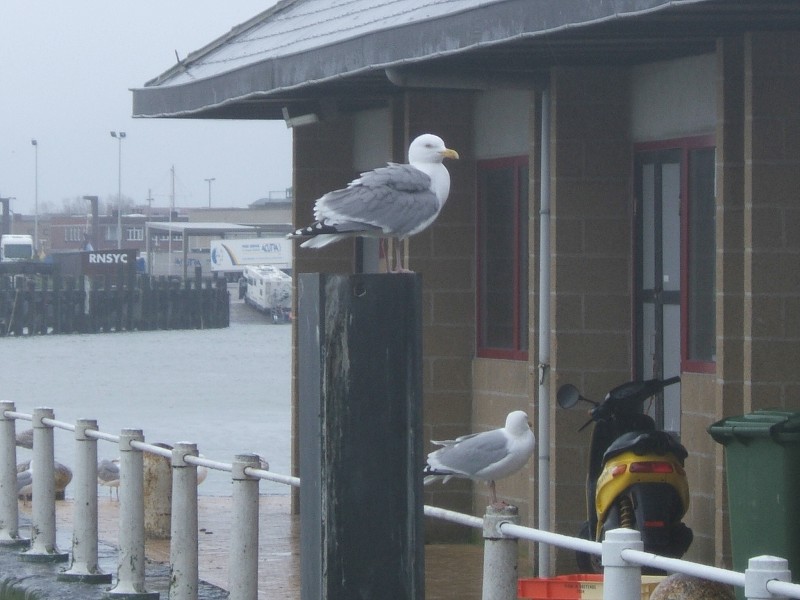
[698,302]
[692,160]
[502,258]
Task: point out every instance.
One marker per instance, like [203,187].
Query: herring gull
[25,481]
[108,475]
[394,201]
[485,456]
[24,439]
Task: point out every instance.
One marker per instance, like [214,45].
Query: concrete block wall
[772,220]
[444,254]
[591,263]
[729,392]
[698,411]
[758,263]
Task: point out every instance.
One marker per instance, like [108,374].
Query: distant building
[69,233]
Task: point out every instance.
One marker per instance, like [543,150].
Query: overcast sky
[66,70]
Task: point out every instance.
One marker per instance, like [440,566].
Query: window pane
[498,210]
[702,253]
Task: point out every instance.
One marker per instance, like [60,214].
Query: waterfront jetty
[38,299]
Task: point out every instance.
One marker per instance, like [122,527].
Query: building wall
[327,156]
[675,99]
[597,113]
[758,287]
[591,265]
[772,221]
[729,392]
[444,254]
[506,125]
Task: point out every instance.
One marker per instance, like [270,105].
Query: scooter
[636,478]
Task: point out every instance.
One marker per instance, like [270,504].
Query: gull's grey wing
[25,439]
[474,452]
[107,470]
[24,478]
[395,199]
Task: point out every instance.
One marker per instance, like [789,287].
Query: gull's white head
[429,149]
[517,423]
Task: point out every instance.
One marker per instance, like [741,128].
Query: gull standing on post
[485,456]
[394,201]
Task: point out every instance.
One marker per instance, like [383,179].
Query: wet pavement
[452,571]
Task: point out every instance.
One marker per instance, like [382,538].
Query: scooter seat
[646,442]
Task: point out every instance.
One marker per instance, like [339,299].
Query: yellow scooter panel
[628,468]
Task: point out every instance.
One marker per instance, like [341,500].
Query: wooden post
[360,421]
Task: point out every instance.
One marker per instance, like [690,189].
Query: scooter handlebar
[639,391]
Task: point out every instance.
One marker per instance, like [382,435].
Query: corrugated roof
[303,53]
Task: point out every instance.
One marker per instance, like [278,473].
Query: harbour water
[228,390]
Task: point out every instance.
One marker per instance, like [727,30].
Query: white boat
[269,290]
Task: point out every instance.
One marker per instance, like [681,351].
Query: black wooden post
[360,427]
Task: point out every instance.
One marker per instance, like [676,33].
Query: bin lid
[780,426]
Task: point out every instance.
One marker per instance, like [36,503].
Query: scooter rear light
[651,467]
[618,470]
[654,524]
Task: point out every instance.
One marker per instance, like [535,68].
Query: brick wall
[591,263]
[444,255]
[729,396]
[772,220]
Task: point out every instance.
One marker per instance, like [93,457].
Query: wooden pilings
[48,303]
[360,430]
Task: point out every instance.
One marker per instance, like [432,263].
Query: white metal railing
[621,551]
[245,471]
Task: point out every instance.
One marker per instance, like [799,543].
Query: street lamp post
[35,145]
[209,189]
[119,135]
[5,225]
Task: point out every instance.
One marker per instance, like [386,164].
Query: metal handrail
[622,551]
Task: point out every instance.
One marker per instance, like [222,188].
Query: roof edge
[508,21]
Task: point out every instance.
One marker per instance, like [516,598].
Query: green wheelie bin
[762,466]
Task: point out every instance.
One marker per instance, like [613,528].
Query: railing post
[622,580]
[183,583]
[9,509]
[43,513]
[243,557]
[130,570]
[84,567]
[760,570]
[499,554]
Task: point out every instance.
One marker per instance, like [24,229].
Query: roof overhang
[517,42]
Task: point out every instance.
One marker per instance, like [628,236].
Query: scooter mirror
[568,396]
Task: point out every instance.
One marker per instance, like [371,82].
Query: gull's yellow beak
[448,153]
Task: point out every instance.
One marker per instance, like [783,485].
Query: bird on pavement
[24,439]
[485,456]
[108,475]
[25,481]
[398,200]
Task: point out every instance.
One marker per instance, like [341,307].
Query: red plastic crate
[564,587]
[574,587]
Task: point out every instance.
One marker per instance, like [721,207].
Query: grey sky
[66,69]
